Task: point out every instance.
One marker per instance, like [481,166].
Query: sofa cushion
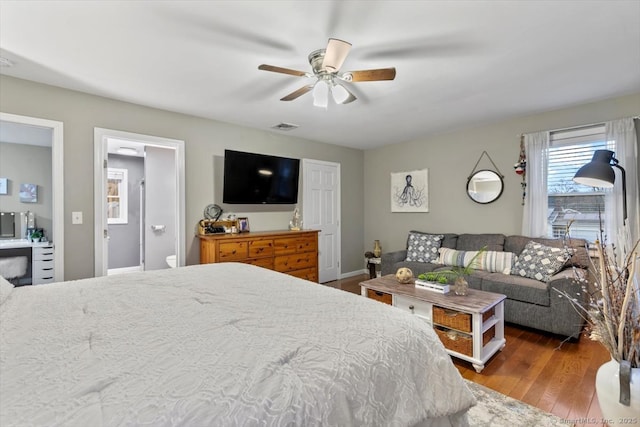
[423,247]
[491,261]
[517,288]
[450,240]
[540,262]
[580,257]
[475,242]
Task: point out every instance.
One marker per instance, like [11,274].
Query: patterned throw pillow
[423,247]
[491,261]
[540,262]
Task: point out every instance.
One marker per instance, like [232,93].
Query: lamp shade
[321,94]
[598,172]
[340,94]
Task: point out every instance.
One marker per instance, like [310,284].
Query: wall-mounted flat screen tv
[251,178]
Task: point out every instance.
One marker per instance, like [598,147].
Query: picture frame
[4,186]
[243,224]
[29,193]
[410,191]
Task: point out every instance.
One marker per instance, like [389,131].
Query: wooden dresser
[290,252]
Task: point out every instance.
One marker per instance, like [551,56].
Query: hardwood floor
[536,368]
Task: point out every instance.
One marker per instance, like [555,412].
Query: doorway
[139,203]
[321,211]
[57,176]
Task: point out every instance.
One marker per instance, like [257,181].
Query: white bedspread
[218,345]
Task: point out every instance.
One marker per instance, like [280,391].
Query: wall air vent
[284,126]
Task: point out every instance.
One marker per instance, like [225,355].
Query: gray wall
[450,159]
[124,239]
[27,164]
[204,139]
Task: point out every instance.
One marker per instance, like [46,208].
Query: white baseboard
[353,273]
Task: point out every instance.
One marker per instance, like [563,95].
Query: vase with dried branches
[612,312]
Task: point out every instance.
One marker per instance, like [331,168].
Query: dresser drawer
[42,281]
[232,251]
[413,306]
[307,244]
[379,296]
[43,253]
[307,274]
[260,248]
[43,274]
[285,246]
[289,263]
[260,262]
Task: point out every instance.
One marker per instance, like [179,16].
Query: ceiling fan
[326,64]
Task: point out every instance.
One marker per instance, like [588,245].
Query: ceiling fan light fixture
[335,54]
[340,94]
[321,94]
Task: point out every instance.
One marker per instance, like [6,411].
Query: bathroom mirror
[485,186]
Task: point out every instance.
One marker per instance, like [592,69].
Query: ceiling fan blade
[370,75]
[335,54]
[295,94]
[275,69]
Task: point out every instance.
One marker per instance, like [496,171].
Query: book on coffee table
[432,286]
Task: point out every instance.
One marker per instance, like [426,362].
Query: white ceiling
[459,63]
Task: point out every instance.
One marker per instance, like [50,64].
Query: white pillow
[5,289]
[492,261]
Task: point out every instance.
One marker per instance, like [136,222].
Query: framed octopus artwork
[409,191]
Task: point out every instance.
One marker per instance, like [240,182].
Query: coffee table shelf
[463,323]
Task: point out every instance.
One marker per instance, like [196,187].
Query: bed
[218,345]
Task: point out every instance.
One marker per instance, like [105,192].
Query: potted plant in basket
[612,312]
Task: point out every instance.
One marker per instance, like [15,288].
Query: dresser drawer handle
[47,269]
[378,293]
[411,307]
[451,313]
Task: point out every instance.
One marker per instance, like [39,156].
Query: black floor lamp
[599,173]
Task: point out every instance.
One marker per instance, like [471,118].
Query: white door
[321,211]
[159,206]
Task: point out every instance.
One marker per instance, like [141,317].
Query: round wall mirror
[485,186]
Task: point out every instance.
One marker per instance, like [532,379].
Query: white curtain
[626,151]
[534,219]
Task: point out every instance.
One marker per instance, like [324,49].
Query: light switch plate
[76,217]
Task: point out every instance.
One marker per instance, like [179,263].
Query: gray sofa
[530,302]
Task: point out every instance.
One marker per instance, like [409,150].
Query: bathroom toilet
[171,261]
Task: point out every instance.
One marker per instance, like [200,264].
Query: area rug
[497,410]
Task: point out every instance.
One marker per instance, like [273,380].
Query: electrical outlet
[76,217]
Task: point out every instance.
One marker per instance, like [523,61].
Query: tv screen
[251,178]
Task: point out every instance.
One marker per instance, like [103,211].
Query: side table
[371,265]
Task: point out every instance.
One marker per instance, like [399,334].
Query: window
[567,201]
[117,196]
